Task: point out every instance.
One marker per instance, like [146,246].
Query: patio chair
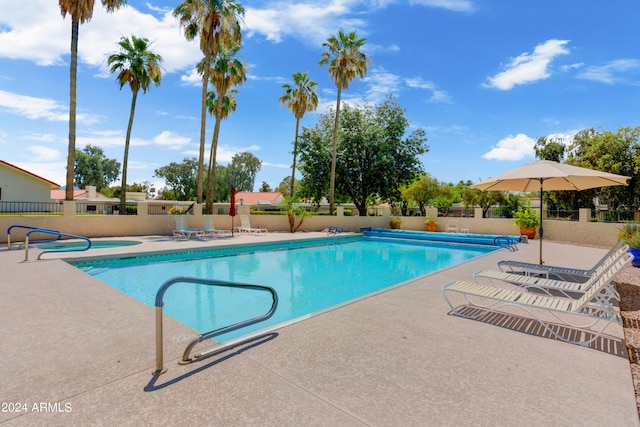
[245,227]
[562,273]
[182,229]
[453,227]
[209,230]
[610,268]
[593,306]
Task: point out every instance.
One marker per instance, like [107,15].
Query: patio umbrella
[232,208]
[550,175]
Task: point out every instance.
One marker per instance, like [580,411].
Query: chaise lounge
[183,231]
[209,229]
[245,227]
[609,266]
[594,306]
[563,273]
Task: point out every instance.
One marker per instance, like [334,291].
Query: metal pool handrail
[28,227]
[209,282]
[57,233]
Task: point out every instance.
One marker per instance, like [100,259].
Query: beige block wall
[583,232]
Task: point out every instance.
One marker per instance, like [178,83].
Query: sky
[483,78]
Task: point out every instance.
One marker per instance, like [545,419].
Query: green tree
[294,211]
[549,149]
[227,71]
[485,199]
[137,66]
[243,170]
[265,188]
[428,191]
[81,11]
[217,24]
[143,187]
[92,167]
[611,152]
[421,191]
[299,100]
[181,178]
[285,187]
[375,159]
[346,61]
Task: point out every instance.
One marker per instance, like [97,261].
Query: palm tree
[138,67]
[299,100]
[227,71]
[81,11]
[345,61]
[217,24]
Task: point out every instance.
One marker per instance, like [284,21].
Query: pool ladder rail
[56,233]
[207,282]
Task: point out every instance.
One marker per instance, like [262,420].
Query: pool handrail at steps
[28,227]
[208,282]
[57,233]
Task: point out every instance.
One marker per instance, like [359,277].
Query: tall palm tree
[226,72]
[138,67]
[81,11]
[299,100]
[217,24]
[346,62]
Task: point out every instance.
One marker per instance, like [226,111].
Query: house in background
[260,200]
[89,201]
[89,193]
[19,185]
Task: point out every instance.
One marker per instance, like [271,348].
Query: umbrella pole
[540,230]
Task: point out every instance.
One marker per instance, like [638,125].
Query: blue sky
[483,78]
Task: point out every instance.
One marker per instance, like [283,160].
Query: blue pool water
[83,244]
[308,279]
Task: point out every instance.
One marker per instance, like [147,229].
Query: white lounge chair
[563,273]
[245,227]
[594,306]
[453,227]
[610,267]
[182,229]
[209,230]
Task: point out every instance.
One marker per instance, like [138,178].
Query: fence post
[143,208]
[68,208]
[584,215]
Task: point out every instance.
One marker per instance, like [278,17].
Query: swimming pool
[74,245]
[309,276]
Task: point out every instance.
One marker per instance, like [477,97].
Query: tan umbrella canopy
[550,175]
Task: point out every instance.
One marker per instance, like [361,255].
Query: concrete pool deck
[75,351]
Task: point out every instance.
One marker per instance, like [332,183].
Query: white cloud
[454,5]
[311,22]
[191,78]
[438,96]
[107,138]
[380,84]
[610,73]
[32,107]
[29,33]
[42,153]
[512,148]
[529,67]
[171,140]
[32,35]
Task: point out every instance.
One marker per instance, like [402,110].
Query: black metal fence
[30,208]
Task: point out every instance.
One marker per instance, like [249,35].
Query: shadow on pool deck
[86,351]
